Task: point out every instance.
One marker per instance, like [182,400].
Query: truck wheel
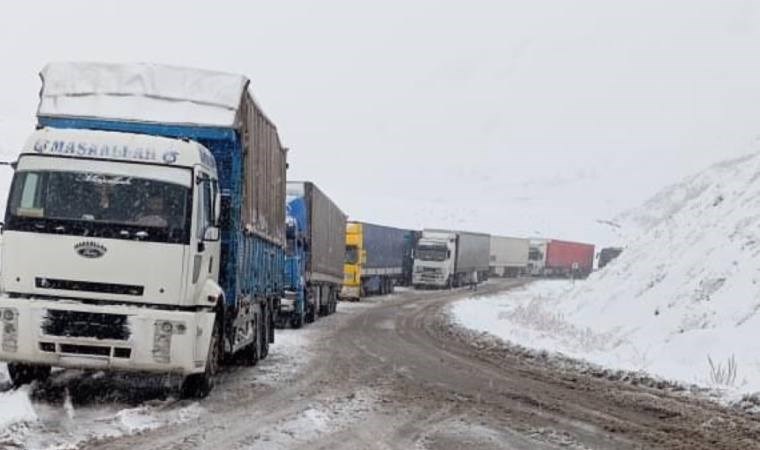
[22,374]
[296,320]
[198,385]
[264,338]
[250,355]
[311,314]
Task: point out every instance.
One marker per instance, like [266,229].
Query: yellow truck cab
[352,268]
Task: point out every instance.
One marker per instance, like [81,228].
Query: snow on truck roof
[110,145]
[141,93]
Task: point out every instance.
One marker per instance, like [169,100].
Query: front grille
[88,286]
[85,324]
[85,350]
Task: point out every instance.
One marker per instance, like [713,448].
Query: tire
[251,354]
[264,336]
[311,314]
[199,385]
[296,320]
[22,374]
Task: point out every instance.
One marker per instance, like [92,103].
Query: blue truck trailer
[152,200]
[315,231]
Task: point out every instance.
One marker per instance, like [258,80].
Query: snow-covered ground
[681,302]
[33,424]
[36,418]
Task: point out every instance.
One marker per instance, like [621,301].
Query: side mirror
[211,234]
[363,258]
[217,208]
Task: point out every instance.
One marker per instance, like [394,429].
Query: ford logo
[90,249]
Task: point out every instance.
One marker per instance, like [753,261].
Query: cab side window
[205,206]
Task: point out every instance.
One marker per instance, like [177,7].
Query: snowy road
[390,373]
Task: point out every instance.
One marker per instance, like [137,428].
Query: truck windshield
[99,205]
[352,254]
[432,253]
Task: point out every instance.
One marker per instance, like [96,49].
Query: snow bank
[681,302]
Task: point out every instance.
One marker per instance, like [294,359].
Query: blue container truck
[315,230]
[152,200]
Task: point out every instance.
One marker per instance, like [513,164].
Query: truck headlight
[10,330]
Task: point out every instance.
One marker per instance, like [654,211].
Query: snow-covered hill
[682,300]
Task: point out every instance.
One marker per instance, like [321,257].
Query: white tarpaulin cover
[141,93]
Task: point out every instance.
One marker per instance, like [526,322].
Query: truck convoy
[145,227]
[146,231]
[377,259]
[315,231]
[555,258]
[445,258]
[509,256]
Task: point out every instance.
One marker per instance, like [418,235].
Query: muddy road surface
[393,373]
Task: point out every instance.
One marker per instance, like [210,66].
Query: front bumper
[147,346]
[350,292]
[428,279]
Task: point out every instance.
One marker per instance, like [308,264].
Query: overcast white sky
[529,117]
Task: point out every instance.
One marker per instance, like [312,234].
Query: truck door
[207,236]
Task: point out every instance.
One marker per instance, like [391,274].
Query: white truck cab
[98,226]
[434,259]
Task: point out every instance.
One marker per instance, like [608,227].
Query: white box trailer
[509,256]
